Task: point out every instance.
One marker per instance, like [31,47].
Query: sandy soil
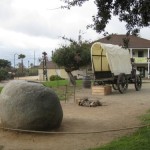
[118,111]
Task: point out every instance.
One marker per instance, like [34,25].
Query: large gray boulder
[30,106]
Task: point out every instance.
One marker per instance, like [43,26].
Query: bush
[1,89]
[3,74]
[55,77]
[33,71]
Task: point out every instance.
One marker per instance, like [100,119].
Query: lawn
[140,140]
[62,88]
[59,83]
[1,89]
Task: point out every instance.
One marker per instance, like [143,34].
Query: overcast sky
[33,26]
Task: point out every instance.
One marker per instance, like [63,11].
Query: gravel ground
[118,111]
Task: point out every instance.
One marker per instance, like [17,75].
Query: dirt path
[118,111]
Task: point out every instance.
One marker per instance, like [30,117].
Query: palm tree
[21,56]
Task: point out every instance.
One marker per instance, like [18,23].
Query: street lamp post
[28,66]
[14,59]
[148,59]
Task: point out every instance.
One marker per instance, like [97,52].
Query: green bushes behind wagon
[55,77]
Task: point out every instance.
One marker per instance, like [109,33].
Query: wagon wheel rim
[122,83]
[138,83]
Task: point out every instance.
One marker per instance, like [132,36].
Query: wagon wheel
[138,82]
[122,83]
[114,86]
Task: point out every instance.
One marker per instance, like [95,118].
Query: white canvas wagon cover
[117,59]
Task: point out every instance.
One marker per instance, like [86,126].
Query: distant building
[139,50]
[54,69]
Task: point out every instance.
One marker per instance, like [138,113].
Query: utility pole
[28,66]
[45,66]
[34,58]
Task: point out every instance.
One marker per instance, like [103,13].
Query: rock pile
[89,103]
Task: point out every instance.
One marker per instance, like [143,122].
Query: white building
[139,50]
[53,69]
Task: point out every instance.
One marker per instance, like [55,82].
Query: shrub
[3,74]
[1,89]
[55,77]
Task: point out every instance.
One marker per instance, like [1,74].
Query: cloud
[19,40]
[25,21]
[40,21]
[12,42]
[33,25]
[6,11]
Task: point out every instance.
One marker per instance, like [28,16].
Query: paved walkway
[3,83]
[31,78]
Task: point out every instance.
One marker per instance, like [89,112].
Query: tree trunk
[71,78]
[22,65]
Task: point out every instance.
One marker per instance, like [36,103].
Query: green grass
[56,83]
[1,89]
[59,83]
[62,88]
[140,140]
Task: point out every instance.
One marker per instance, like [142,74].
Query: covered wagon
[111,64]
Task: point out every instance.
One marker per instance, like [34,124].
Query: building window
[140,54]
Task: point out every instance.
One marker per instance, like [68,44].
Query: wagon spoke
[114,86]
[138,83]
[122,83]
